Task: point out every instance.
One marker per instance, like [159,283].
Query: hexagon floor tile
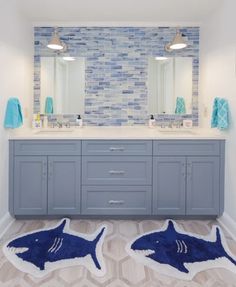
[122,270]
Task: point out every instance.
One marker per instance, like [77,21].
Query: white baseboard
[5,222]
[229,224]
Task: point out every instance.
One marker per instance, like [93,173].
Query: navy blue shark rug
[177,253]
[42,251]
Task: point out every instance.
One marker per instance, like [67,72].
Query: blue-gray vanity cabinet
[169,185]
[30,185]
[64,184]
[116,177]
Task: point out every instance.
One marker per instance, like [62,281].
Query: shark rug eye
[43,251]
[174,252]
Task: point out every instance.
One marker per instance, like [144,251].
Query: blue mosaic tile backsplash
[116,69]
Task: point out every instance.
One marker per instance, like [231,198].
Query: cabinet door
[203,185]
[30,185]
[169,185]
[64,175]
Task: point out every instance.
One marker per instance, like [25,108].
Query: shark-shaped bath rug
[175,252]
[42,251]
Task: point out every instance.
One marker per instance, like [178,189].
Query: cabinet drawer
[47,147]
[128,170]
[122,200]
[186,147]
[117,147]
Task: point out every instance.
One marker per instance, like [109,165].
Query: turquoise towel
[220,114]
[214,117]
[180,106]
[48,105]
[13,115]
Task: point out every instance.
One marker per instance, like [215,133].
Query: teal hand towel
[220,114]
[13,116]
[48,105]
[180,106]
[214,117]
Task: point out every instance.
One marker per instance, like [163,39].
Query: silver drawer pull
[117,148]
[117,172]
[116,202]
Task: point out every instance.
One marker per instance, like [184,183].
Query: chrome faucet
[170,125]
[59,124]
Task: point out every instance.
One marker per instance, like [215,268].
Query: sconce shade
[178,42]
[55,43]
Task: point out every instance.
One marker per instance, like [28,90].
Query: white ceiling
[147,11]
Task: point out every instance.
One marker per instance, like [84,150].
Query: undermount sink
[177,131]
[55,130]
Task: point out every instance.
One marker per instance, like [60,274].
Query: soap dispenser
[151,122]
[37,122]
[79,121]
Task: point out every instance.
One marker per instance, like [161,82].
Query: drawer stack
[116,177]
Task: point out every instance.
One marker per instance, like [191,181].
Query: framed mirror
[62,85]
[170,85]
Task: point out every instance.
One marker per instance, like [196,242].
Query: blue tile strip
[116,69]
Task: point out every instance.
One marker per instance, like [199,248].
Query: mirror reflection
[62,85]
[170,85]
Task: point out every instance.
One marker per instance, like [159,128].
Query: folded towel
[48,105]
[214,117]
[220,114]
[180,106]
[13,115]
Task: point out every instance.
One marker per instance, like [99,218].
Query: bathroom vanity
[96,176]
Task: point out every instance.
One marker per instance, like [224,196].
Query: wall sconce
[55,42]
[177,43]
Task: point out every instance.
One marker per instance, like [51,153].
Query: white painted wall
[16,64]
[218,79]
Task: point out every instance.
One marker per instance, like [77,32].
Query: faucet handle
[178,124]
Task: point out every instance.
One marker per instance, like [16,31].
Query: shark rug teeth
[177,253]
[42,251]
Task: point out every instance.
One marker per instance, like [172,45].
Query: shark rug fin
[61,226]
[95,243]
[170,227]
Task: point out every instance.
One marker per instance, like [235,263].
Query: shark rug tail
[96,245]
[222,246]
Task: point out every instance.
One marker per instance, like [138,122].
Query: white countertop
[103,133]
